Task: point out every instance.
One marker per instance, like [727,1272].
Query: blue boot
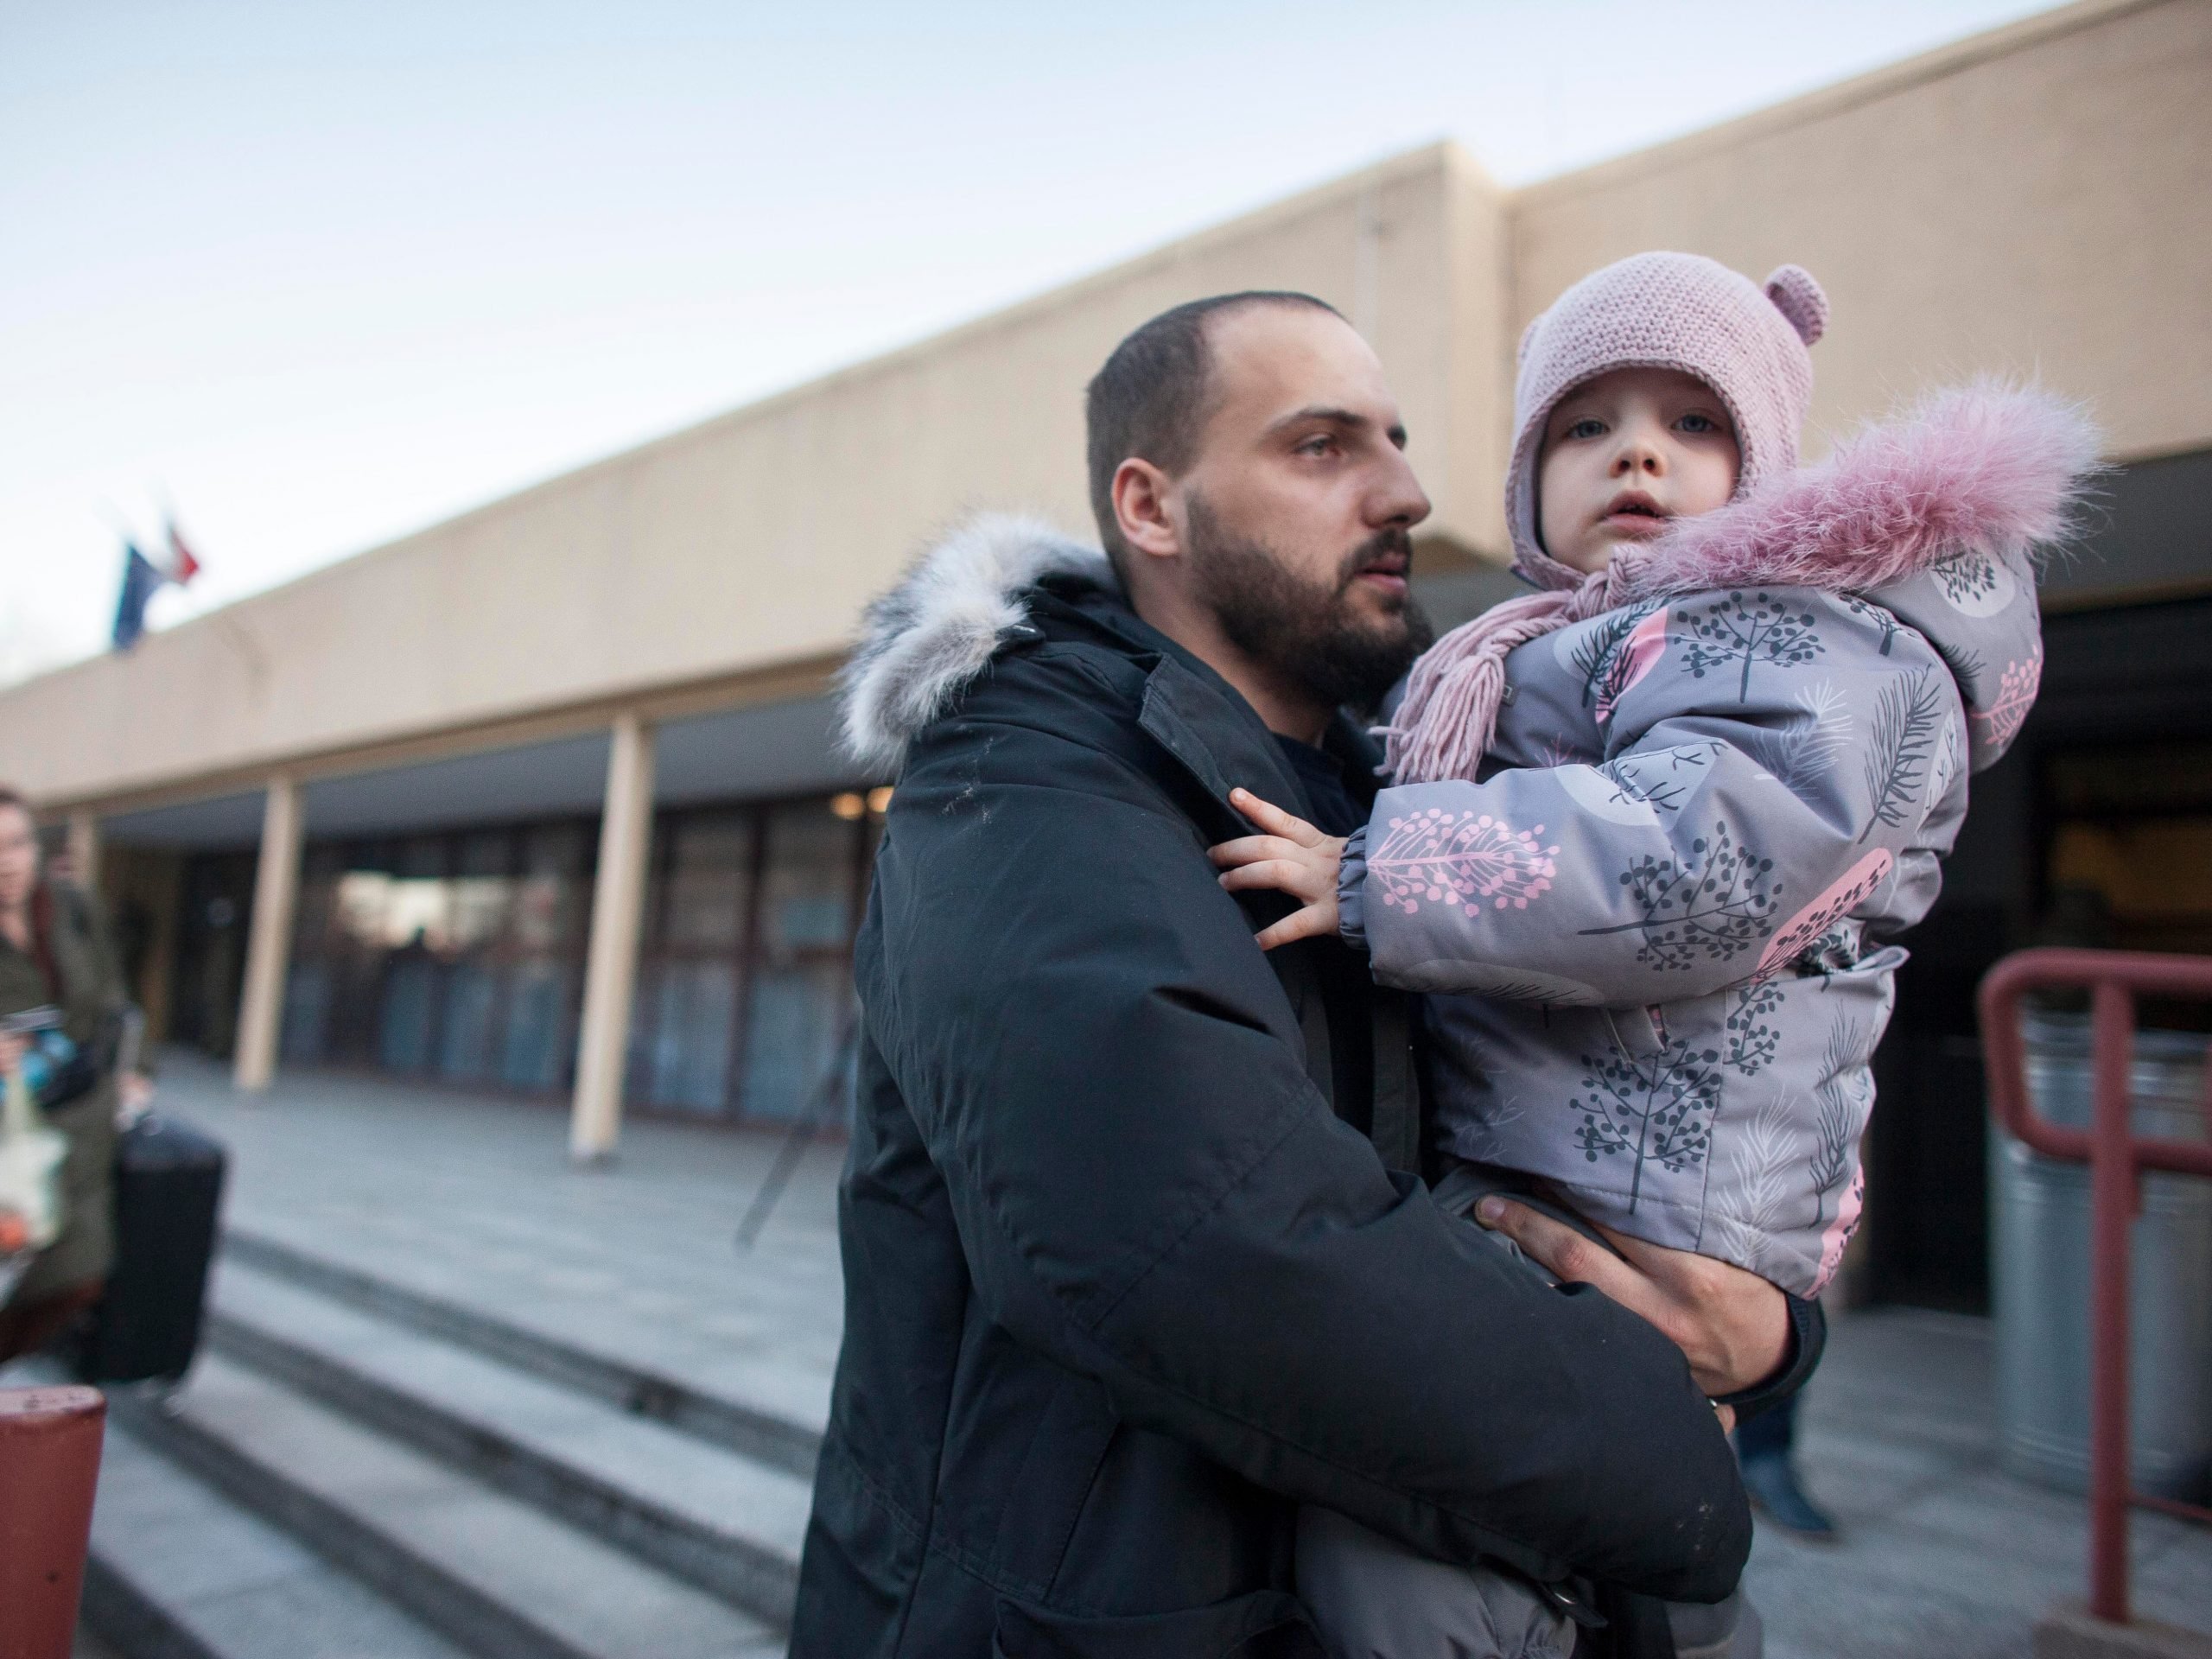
[1770,1478]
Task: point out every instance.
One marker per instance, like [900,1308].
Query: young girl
[1653,828]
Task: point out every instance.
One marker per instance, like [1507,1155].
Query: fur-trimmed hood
[1951,500]
[934,630]
[1975,475]
[1986,468]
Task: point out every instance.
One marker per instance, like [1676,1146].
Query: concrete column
[161,889]
[269,947]
[611,969]
[84,847]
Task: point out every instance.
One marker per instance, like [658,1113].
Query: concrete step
[723,1522]
[179,1571]
[491,1573]
[764,1435]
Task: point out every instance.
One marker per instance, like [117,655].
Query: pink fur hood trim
[1986,470]
[1981,468]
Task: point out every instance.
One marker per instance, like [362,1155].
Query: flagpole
[117,520]
[228,627]
[184,564]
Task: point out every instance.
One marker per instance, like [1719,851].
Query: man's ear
[1141,509]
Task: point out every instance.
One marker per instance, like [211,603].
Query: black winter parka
[1121,1287]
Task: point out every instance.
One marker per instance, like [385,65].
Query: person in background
[1765,1450]
[53,951]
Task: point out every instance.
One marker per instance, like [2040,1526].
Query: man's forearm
[1151,1191]
[1420,1383]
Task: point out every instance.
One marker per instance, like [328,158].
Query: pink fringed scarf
[1444,726]
[1985,468]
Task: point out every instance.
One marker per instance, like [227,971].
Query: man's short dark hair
[1152,399]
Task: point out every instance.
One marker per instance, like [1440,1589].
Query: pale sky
[320,274]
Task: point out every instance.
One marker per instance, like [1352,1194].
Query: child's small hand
[1292,857]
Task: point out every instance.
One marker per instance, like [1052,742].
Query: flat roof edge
[1443,154]
[655,702]
[1954,57]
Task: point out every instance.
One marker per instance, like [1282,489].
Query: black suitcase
[168,1183]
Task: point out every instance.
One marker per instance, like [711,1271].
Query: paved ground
[474,1199]
[1942,1553]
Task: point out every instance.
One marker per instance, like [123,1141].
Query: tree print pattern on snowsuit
[1852,889]
[1908,716]
[1752,1041]
[1783,775]
[1663,780]
[2000,722]
[1468,859]
[1756,1204]
[1759,629]
[1606,658]
[1975,584]
[1805,747]
[1979,614]
[1847,1097]
[1841,652]
[1715,902]
[1655,1110]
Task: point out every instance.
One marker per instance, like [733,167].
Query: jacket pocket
[1262,1624]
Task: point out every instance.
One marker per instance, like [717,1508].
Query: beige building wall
[751,540]
[2028,202]
[2024,203]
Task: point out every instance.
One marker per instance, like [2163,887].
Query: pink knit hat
[1668,311]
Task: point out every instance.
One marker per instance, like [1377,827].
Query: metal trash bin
[2039,1270]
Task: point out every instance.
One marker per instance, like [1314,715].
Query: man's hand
[12,1049]
[1292,857]
[1733,1324]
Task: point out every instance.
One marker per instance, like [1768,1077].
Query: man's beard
[1307,632]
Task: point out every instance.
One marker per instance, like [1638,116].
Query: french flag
[142,579]
[183,566]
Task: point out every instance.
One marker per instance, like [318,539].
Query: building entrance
[2096,830]
[457,955]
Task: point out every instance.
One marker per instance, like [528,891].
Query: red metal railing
[2117,1158]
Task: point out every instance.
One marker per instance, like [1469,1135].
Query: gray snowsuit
[1672,893]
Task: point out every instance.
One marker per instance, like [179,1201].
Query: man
[1136,1257]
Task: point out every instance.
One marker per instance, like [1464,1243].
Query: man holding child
[1138,1254]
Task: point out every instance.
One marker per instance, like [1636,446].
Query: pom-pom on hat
[1668,311]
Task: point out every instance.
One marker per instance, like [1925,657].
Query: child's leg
[1727,1630]
[1377,1600]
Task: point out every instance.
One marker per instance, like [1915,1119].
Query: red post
[49,1462]
[2113,1189]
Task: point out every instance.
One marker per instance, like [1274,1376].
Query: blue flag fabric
[141,577]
